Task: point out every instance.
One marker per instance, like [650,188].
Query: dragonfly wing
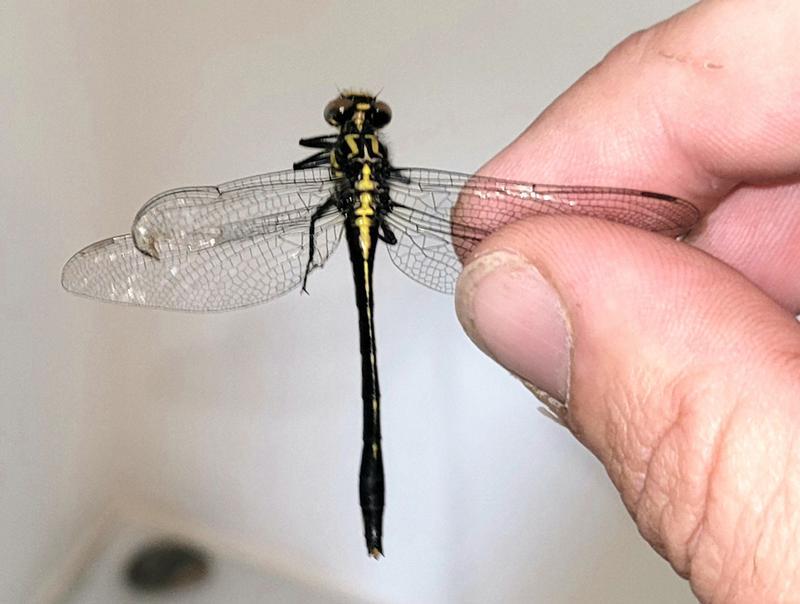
[230,274]
[214,248]
[433,207]
[195,218]
[425,248]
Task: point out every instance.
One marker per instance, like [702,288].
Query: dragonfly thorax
[354,148]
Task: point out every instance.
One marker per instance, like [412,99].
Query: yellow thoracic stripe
[373,140]
[350,139]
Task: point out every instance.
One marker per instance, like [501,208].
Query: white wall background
[249,422]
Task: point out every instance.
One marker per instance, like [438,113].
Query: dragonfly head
[359,107]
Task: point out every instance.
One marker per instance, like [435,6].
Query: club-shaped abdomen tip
[374,545]
[373,531]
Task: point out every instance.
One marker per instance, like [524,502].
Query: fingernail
[516,317]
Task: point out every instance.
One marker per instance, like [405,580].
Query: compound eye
[381,114]
[338,111]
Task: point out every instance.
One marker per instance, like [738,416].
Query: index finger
[699,106]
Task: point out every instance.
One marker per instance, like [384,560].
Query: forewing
[195,218]
[439,217]
[213,248]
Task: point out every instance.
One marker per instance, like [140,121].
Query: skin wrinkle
[791,512]
[732,563]
[647,503]
[695,541]
[647,448]
[614,466]
[641,490]
[653,536]
[761,540]
[788,360]
[778,497]
[636,488]
[678,555]
[665,450]
[617,433]
[791,515]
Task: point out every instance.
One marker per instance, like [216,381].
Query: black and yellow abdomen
[362,235]
[359,160]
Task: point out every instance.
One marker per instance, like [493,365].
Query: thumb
[680,375]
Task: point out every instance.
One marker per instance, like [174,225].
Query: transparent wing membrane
[223,277]
[425,249]
[440,216]
[247,241]
[213,248]
[191,219]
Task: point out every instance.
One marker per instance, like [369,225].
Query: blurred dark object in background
[166,564]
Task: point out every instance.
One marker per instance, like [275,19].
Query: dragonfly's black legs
[371,482]
[326,142]
[387,235]
[321,158]
[312,244]
[312,161]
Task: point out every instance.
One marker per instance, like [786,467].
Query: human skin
[679,364]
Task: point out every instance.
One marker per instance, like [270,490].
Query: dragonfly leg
[312,161]
[387,235]
[326,142]
[318,213]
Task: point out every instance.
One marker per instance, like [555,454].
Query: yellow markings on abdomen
[365,219]
[365,211]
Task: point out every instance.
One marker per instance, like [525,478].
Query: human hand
[680,364]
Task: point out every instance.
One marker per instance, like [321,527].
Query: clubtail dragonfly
[213,248]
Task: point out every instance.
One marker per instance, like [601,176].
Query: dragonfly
[247,241]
